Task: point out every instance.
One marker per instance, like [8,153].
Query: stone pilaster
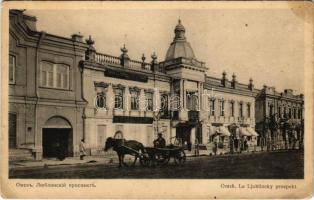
[142,101]
[110,98]
[126,99]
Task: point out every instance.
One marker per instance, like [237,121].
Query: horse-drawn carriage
[148,156]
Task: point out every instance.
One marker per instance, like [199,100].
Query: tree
[273,127]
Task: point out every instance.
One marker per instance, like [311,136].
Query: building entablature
[212,83]
[26,35]
[287,95]
[118,71]
[190,63]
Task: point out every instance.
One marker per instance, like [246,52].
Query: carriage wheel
[180,158]
[162,159]
[145,161]
[129,160]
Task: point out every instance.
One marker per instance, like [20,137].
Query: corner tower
[179,47]
[188,77]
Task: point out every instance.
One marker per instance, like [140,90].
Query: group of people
[235,145]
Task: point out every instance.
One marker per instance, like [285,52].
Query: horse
[123,147]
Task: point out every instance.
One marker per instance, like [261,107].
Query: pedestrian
[215,148]
[245,144]
[82,149]
[197,152]
[236,144]
[231,143]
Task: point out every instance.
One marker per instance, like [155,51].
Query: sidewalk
[52,162]
[106,160]
[89,160]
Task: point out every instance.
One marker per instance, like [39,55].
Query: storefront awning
[212,130]
[244,132]
[252,131]
[224,131]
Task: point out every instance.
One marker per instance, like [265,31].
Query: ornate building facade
[282,113]
[62,90]
[45,99]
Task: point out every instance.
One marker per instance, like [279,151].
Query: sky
[266,45]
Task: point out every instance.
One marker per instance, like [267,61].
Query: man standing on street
[82,149]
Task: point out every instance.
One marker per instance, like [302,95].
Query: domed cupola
[179,47]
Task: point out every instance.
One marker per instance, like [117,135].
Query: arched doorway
[57,138]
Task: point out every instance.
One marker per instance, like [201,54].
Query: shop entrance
[57,138]
[183,134]
[56,142]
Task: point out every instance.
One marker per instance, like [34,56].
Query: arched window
[118,99]
[248,110]
[134,100]
[101,100]
[149,101]
[164,102]
[222,107]
[241,109]
[212,106]
[232,108]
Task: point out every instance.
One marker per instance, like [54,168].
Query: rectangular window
[232,108]
[270,110]
[12,66]
[241,110]
[101,135]
[54,75]
[279,111]
[59,80]
[212,106]
[294,113]
[134,100]
[248,110]
[149,101]
[50,79]
[222,107]
[62,72]
[12,130]
[192,100]
[118,99]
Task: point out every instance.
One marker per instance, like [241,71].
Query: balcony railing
[175,115]
[193,116]
[103,58]
[132,64]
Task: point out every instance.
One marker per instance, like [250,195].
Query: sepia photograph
[157,94]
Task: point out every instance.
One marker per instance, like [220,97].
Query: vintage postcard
[157,100]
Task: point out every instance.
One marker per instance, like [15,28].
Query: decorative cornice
[118,86]
[101,84]
[149,90]
[135,88]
